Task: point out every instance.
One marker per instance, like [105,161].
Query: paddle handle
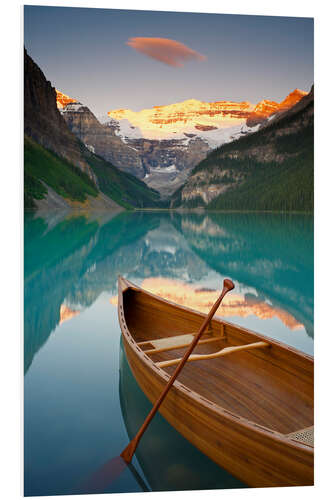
[129,451]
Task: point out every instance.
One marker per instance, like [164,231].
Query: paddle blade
[104,476]
[128,452]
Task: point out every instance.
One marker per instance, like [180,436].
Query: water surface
[81,401]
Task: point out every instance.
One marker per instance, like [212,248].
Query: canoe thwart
[176,342]
[303,435]
[168,341]
[218,354]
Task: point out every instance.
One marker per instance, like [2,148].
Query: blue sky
[83,52]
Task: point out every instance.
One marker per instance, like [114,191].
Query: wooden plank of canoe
[169,343]
[236,384]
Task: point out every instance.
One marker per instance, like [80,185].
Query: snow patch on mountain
[90,147]
[214,138]
[170,168]
[76,107]
[105,119]
[124,129]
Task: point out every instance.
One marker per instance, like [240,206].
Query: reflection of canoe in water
[250,411]
[169,461]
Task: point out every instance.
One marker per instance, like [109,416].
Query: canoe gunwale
[254,427]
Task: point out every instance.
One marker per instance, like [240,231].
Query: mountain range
[220,154]
[163,144]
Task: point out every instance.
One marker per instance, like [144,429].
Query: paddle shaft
[129,451]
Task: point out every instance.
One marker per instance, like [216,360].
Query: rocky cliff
[269,169]
[100,139]
[42,120]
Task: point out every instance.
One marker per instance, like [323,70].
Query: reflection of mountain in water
[71,259]
[139,244]
[165,252]
[168,460]
[272,253]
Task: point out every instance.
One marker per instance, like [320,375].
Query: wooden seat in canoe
[176,342]
[213,355]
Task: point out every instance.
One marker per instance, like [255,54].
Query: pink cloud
[165,50]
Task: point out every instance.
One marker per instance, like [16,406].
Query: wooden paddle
[129,451]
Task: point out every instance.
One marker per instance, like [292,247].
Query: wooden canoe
[250,409]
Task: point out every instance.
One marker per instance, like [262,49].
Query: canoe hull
[249,452]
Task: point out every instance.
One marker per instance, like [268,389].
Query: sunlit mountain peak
[63,99]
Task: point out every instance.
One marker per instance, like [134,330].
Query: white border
[12,246]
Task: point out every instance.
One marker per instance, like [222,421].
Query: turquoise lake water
[81,402]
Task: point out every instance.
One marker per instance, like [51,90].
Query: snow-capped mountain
[161,145]
[214,122]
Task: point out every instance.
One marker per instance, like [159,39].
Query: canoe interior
[272,387]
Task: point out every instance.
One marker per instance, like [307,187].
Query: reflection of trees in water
[168,460]
[271,252]
[54,259]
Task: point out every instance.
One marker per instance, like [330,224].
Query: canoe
[243,399]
